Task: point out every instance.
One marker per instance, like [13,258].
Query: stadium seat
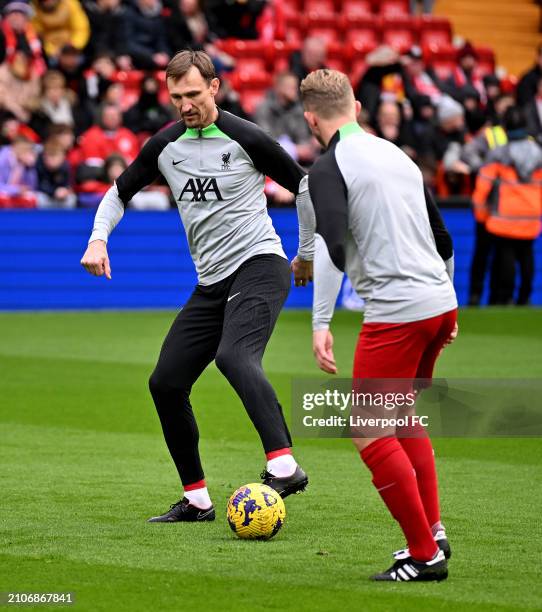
[281,51]
[323,7]
[443,60]
[399,32]
[486,60]
[392,8]
[131,83]
[435,32]
[353,9]
[251,88]
[357,70]
[364,34]
[321,20]
[338,57]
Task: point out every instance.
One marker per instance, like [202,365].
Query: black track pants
[231,322]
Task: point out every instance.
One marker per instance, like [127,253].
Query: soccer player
[375,222]
[215,165]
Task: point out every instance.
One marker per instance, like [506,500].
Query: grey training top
[217,177]
[375,221]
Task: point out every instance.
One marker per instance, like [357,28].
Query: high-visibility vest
[513,208]
[495,137]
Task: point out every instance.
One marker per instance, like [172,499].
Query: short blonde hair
[327,93]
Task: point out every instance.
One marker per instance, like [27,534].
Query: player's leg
[256,297]
[188,348]
[393,351]
[417,443]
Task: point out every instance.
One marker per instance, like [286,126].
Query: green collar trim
[211,131]
[350,128]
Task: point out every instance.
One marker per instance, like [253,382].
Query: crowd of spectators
[81,89]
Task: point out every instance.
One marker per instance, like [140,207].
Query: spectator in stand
[426,6]
[18,34]
[227,99]
[312,56]
[98,79]
[71,63]
[528,85]
[533,113]
[147,115]
[418,79]
[18,177]
[57,100]
[466,74]
[475,115]
[281,115]
[234,18]
[448,144]
[492,85]
[424,135]
[509,193]
[53,171]
[106,18]
[19,86]
[145,35]
[188,28]
[60,23]
[390,125]
[106,138]
[383,74]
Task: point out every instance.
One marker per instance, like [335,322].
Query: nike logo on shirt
[178,162]
[234,295]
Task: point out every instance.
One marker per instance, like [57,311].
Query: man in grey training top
[215,165]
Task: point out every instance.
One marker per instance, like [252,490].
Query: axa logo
[200,188]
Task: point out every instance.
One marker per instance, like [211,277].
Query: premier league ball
[256,512]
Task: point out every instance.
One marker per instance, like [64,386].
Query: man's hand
[95,260]
[450,338]
[302,271]
[453,335]
[322,347]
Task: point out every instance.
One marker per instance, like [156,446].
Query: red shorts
[402,350]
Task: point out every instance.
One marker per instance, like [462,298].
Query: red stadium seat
[435,32]
[281,54]
[330,35]
[392,8]
[324,7]
[399,32]
[251,98]
[357,70]
[365,34]
[338,57]
[353,9]
[443,60]
[486,60]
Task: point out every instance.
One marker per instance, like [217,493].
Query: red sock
[394,479]
[278,453]
[420,452]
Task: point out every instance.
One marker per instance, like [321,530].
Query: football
[256,512]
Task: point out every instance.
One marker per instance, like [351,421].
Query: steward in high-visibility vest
[508,194]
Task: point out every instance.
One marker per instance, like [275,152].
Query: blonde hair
[328,93]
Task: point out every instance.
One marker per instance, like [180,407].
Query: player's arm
[273,161]
[140,173]
[329,196]
[443,240]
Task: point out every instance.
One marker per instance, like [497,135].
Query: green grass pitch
[84,464]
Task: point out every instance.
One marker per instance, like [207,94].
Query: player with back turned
[215,165]
[375,221]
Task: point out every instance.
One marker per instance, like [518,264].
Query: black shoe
[296,483]
[441,541]
[184,511]
[410,570]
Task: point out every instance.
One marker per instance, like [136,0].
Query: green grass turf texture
[84,464]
